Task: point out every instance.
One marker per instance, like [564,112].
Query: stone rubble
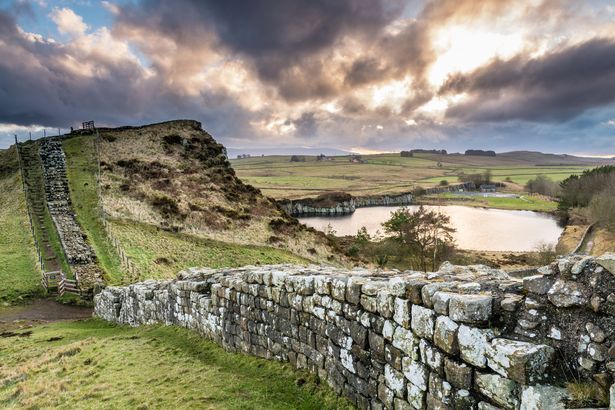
[467,338]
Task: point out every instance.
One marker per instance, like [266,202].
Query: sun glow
[463,49]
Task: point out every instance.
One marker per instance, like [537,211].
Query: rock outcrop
[465,337]
[337,204]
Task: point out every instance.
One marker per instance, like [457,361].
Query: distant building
[488,188]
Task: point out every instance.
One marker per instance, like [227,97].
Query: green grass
[81,168]
[161,254]
[279,178]
[20,275]
[92,364]
[524,202]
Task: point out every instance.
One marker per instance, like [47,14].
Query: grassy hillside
[92,364]
[172,201]
[20,275]
[161,254]
[277,177]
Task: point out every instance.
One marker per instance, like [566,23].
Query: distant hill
[257,152]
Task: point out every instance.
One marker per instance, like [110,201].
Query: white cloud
[68,21]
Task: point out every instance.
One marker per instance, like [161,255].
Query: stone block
[543,398]
[539,284]
[386,395]
[440,302]
[565,293]
[440,388]
[401,315]
[523,362]
[431,356]
[393,356]
[388,329]
[401,404]
[445,335]
[416,397]
[607,261]
[423,321]
[376,345]
[369,303]
[395,380]
[427,291]
[473,344]
[353,289]
[458,374]
[385,304]
[405,340]
[416,373]
[462,400]
[498,389]
[470,308]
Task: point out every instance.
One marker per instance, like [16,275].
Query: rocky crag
[337,203]
[79,253]
[340,204]
[460,338]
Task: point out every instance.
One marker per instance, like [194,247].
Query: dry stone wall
[465,337]
[79,253]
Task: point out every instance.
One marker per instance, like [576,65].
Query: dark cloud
[557,86]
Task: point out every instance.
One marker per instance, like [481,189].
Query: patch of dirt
[39,311]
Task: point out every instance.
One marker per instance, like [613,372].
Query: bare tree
[423,232]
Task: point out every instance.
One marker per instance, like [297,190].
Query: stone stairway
[35,191]
[79,253]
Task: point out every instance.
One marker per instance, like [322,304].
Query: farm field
[522,202]
[279,178]
[93,364]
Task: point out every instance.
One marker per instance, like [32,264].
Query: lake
[477,228]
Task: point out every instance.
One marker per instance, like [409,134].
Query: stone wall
[79,253]
[461,338]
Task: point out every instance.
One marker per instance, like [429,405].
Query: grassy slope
[19,273]
[524,202]
[161,254]
[277,177]
[92,364]
[81,164]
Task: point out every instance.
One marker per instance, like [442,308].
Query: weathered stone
[385,304]
[511,302]
[416,397]
[470,308]
[462,400]
[395,380]
[353,289]
[595,333]
[376,345]
[445,335]
[369,303]
[393,356]
[607,261]
[401,404]
[543,398]
[458,374]
[597,352]
[416,373]
[402,312]
[500,390]
[423,321]
[567,293]
[440,389]
[539,284]
[386,395]
[405,340]
[473,344]
[440,302]
[579,265]
[388,329]
[523,362]
[431,356]
[430,289]
[483,405]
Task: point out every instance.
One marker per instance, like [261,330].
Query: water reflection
[477,228]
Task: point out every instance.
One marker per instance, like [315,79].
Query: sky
[354,75]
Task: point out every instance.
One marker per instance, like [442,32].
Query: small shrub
[172,139]
[444,182]
[353,251]
[381,261]
[109,138]
[167,206]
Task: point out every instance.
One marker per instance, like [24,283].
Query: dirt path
[38,312]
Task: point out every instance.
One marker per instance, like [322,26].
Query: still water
[477,228]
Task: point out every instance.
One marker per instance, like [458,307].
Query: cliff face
[464,337]
[174,175]
[341,205]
